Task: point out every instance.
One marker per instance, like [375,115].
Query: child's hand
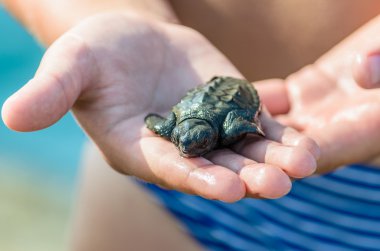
[334,101]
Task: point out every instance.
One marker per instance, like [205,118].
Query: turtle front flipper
[237,124]
[160,125]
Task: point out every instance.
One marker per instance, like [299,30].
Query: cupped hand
[335,101]
[113,69]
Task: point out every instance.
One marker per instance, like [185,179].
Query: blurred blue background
[37,170]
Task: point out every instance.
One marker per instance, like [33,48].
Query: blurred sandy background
[37,170]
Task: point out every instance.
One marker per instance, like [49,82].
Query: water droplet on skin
[204,176]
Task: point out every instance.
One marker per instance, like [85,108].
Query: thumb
[273,95]
[59,80]
[366,70]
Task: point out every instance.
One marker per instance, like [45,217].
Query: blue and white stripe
[339,211]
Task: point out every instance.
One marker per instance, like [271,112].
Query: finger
[265,181]
[64,72]
[261,181]
[229,159]
[295,161]
[288,136]
[192,175]
[366,70]
[273,95]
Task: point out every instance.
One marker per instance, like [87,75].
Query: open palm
[329,104]
[113,69]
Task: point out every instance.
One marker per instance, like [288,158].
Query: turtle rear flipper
[160,125]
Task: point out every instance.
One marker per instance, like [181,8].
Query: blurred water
[52,152]
[37,170]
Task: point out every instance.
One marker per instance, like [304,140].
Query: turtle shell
[215,99]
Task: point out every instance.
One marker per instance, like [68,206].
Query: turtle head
[194,137]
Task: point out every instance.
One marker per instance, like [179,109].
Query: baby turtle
[215,114]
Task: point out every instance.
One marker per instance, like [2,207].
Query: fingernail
[374,69]
[366,70]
